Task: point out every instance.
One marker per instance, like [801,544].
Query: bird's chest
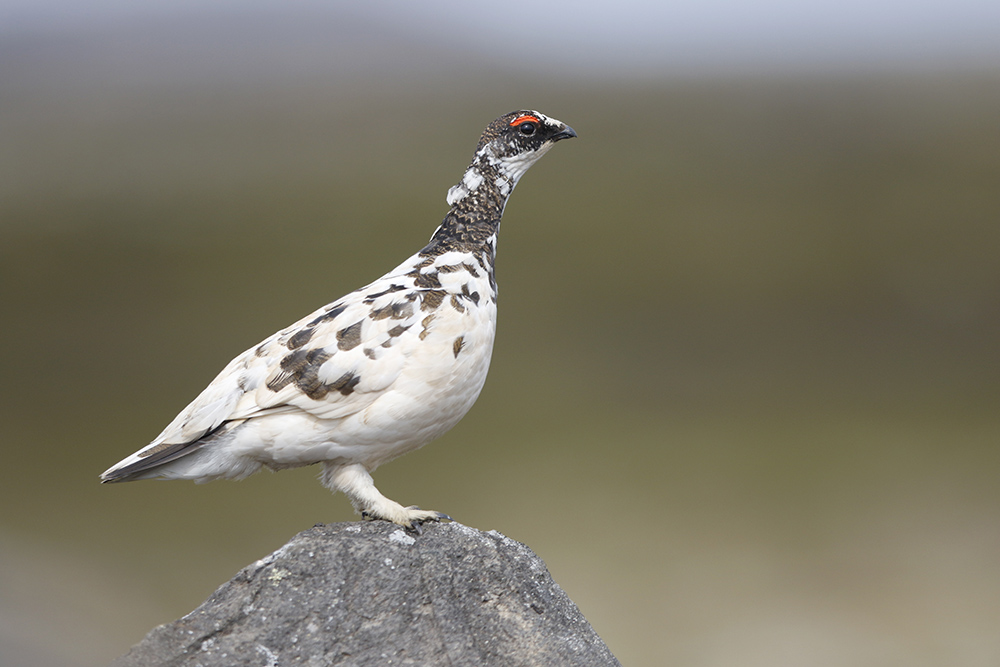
[445,356]
[450,347]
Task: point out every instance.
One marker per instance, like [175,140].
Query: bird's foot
[419,517]
[356,483]
[411,518]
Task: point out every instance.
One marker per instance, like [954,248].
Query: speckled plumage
[375,374]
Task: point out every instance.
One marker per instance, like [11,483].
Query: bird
[375,374]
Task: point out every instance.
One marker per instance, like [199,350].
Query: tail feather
[148,458]
[130,468]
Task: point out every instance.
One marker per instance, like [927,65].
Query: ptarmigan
[374,375]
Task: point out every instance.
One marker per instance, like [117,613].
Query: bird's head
[508,147]
[522,132]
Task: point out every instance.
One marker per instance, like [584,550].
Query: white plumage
[375,374]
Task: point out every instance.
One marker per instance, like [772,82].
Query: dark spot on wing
[426,281]
[397,311]
[426,323]
[369,352]
[392,288]
[431,299]
[302,368]
[349,338]
[450,268]
[300,338]
[328,316]
[398,330]
[458,345]
[344,384]
[456,304]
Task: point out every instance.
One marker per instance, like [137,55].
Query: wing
[330,364]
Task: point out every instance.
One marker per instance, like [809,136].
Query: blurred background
[744,395]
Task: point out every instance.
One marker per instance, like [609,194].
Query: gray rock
[368,593]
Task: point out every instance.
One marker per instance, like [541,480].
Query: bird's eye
[527,129]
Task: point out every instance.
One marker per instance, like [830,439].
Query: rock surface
[368,593]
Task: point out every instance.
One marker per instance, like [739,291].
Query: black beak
[567,133]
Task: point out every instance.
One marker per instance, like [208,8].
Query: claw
[416,525]
[414,522]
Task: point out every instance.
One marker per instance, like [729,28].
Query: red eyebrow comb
[523,119]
